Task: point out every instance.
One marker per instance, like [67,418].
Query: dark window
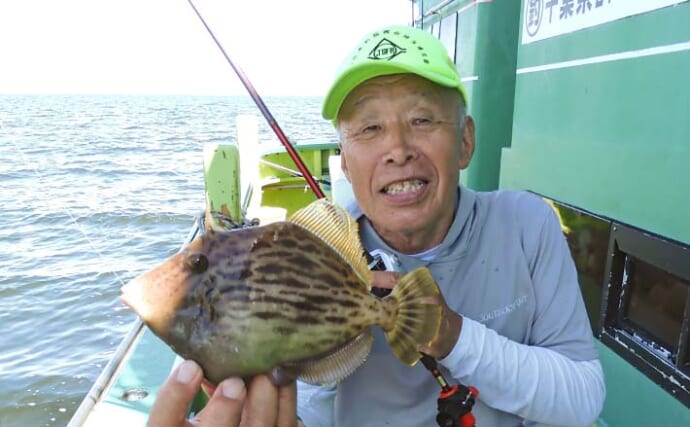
[636,288]
[656,303]
[647,301]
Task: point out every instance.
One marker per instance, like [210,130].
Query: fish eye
[197,262]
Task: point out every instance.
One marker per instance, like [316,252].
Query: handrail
[107,375]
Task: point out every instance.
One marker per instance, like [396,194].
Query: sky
[285,47]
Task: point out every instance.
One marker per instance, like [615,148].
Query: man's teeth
[404,186]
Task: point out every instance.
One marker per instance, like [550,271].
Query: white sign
[543,19]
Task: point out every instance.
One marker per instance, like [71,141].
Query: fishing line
[42,181]
[264,111]
[291,171]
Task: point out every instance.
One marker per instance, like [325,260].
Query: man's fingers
[175,395]
[264,405]
[261,409]
[287,405]
[225,406]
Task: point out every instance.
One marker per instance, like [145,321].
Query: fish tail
[419,316]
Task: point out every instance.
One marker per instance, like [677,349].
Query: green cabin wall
[488,34]
[632,399]
[612,137]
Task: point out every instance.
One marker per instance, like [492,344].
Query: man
[514,324]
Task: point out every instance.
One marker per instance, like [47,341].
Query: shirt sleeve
[560,320]
[555,376]
[536,383]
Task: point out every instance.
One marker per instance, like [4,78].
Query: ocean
[93,191]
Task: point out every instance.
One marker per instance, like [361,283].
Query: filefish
[291,299]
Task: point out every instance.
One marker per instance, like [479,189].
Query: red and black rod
[455,402]
[265,112]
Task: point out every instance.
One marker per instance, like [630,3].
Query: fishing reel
[380,260]
[454,402]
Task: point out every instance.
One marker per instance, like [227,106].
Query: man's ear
[343,163]
[467,143]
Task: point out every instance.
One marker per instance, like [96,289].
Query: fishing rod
[264,111]
[455,402]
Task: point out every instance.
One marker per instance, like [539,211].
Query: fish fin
[337,365]
[419,318]
[336,227]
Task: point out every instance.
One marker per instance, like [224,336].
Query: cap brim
[364,71]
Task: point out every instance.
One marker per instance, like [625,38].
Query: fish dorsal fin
[336,227]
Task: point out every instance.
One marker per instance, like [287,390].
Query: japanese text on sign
[543,19]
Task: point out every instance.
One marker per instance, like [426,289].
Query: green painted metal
[149,365]
[612,136]
[633,399]
[494,50]
[221,178]
[280,189]
[658,28]
[129,397]
[315,157]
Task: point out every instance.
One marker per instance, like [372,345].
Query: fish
[291,299]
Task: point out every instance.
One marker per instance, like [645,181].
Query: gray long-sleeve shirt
[526,342]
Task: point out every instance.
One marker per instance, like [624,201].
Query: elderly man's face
[402,148]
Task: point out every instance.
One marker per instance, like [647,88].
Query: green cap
[392,50]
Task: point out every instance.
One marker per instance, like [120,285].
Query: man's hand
[451,322]
[231,403]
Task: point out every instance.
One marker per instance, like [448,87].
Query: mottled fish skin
[245,301]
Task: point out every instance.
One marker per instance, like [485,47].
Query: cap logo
[385,50]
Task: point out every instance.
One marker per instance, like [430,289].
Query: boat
[581,102]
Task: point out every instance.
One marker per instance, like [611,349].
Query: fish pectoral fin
[418,320]
[336,227]
[337,365]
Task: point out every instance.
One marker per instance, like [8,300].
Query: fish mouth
[142,299]
[409,185]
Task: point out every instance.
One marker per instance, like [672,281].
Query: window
[636,287]
[645,316]
[448,34]
[435,29]
[655,303]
